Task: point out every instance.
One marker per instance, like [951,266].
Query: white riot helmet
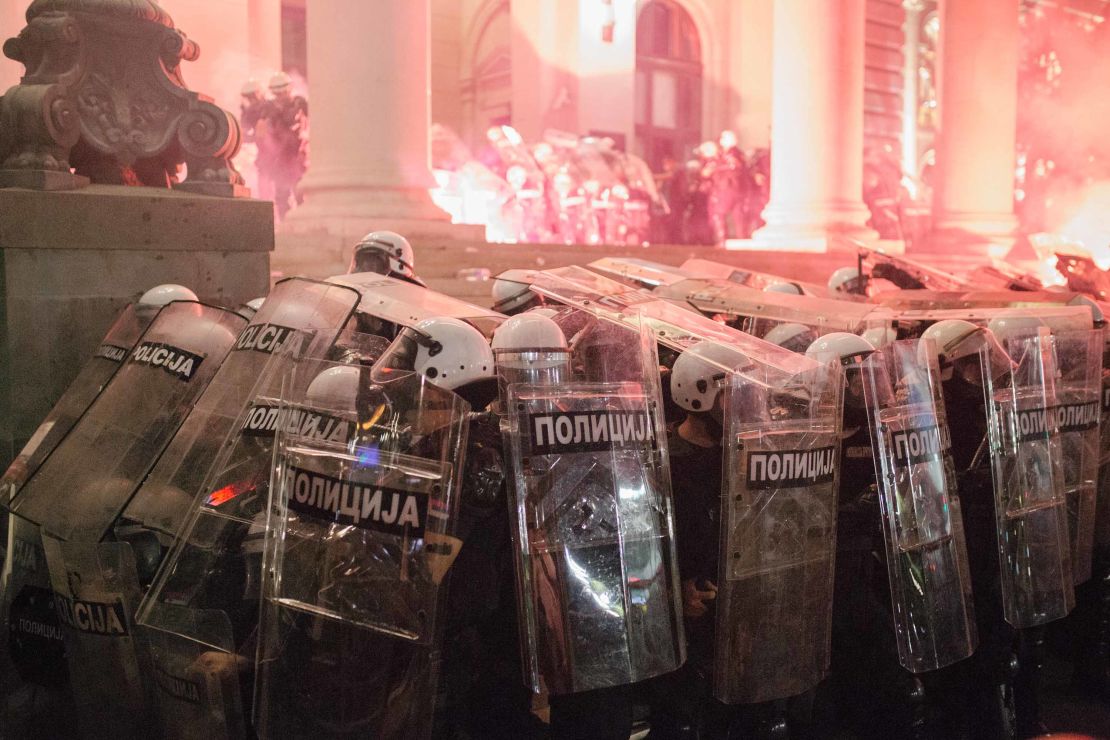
[251,87]
[954,338]
[879,336]
[841,346]
[530,348]
[160,295]
[698,371]
[336,387]
[529,332]
[386,253]
[509,297]
[256,303]
[280,82]
[847,280]
[783,287]
[794,337]
[449,352]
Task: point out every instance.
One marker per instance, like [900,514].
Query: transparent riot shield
[200,615]
[1031,514]
[906,273]
[79,490]
[361,538]
[1079,363]
[778,533]
[95,594]
[108,358]
[703,268]
[91,476]
[312,312]
[926,552]
[743,305]
[592,510]
[1102,507]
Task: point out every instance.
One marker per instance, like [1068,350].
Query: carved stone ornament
[103,94]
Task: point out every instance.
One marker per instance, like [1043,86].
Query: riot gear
[353,619]
[848,280]
[386,253]
[160,295]
[574,525]
[697,374]
[78,492]
[794,337]
[788,288]
[879,336]
[448,352]
[280,83]
[841,346]
[511,298]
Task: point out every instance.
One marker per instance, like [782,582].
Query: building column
[915,10]
[369,107]
[816,126]
[264,37]
[974,190]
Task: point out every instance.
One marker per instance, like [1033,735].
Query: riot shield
[703,268]
[200,615]
[639,272]
[926,552]
[95,594]
[403,304]
[1102,507]
[906,273]
[78,491]
[593,523]
[743,304]
[93,473]
[778,532]
[1031,515]
[77,398]
[1079,364]
[313,312]
[361,537]
[1056,318]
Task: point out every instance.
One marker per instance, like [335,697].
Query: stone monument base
[70,261]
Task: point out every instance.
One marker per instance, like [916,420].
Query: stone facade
[70,261]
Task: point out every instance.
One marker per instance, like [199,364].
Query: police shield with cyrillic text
[300,316]
[360,543]
[922,524]
[778,527]
[592,507]
[95,595]
[79,491]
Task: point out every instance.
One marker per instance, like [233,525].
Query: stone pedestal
[70,261]
[816,126]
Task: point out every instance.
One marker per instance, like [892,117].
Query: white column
[264,37]
[910,87]
[974,196]
[369,111]
[816,125]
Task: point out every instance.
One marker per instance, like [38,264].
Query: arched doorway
[668,82]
